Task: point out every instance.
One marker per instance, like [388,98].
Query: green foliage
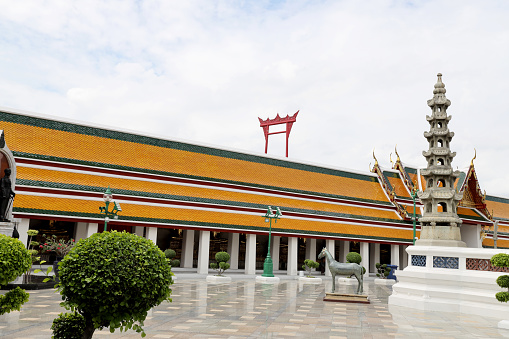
[12,300]
[382,270]
[354,257]
[14,259]
[503,281]
[175,263]
[46,273]
[170,254]
[503,297]
[500,260]
[309,265]
[222,265]
[113,279]
[68,326]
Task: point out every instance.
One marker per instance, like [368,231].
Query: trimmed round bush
[14,259]
[68,326]
[354,257]
[12,300]
[500,260]
[170,254]
[503,281]
[222,257]
[113,279]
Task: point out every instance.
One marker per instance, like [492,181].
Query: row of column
[370,253]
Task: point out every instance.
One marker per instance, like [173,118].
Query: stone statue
[7,194]
[347,269]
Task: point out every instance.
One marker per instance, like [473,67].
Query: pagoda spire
[440,224]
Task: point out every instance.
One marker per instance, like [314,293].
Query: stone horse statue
[347,269]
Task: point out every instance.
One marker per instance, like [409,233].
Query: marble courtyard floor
[246,309]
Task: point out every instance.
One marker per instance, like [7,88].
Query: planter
[313,280]
[385,282]
[267,280]
[216,279]
[347,281]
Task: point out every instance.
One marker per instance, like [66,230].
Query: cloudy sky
[360,72]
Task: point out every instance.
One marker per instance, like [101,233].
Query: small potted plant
[60,246]
[170,256]
[220,266]
[383,272]
[308,266]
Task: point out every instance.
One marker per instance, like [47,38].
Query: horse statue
[347,269]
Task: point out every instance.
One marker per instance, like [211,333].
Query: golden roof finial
[396,150]
[390,159]
[475,156]
[376,161]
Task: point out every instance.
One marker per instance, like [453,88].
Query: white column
[250,261]
[395,256]
[152,234]
[92,228]
[274,251]
[23,227]
[203,252]
[365,256]
[80,230]
[329,244]
[138,230]
[233,250]
[85,230]
[344,248]
[188,249]
[311,249]
[293,243]
[376,257]
[404,256]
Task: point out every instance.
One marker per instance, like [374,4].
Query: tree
[14,261]
[221,265]
[354,257]
[308,265]
[502,260]
[382,270]
[112,280]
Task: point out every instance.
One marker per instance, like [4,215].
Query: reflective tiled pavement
[246,309]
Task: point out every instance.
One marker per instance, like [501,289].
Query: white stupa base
[6,228]
[267,280]
[215,279]
[455,289]
[385,282]
[314,280]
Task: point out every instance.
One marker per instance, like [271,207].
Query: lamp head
[108,197]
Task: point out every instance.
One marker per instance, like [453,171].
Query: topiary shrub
[170,254]
[308,265]
[354,257]
[68,326]
[113,279]
[502,260]
[14,261]
[221,265]
[382,270]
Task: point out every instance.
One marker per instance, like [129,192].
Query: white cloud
[359,72]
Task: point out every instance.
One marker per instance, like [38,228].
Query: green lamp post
[267,265]
[414,195]
[108,199]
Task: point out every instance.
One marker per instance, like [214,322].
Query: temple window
[439,124]
[440,162]
[428,207]
[430,183]
[440,143]
[440,183]
[441,207]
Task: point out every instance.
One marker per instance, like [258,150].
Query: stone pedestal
[307,280]
[385,282]
[447,236]
[267,280]
[216,279]
[347,298]
[6,228]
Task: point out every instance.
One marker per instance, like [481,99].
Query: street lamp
[413,193]
[267,265]
[108,198]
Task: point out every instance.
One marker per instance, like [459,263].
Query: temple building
[198,199]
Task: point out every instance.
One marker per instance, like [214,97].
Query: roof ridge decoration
[388,189]
[398,165]
[473,196]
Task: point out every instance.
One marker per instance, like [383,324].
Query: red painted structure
[288,120]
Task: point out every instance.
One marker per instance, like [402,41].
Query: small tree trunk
[89,327]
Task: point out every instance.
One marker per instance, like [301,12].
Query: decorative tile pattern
[419,260]
[484,265]
[446,262]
